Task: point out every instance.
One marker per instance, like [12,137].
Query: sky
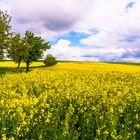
[81,30]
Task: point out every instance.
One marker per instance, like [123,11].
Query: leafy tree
[4,32]
[50,60]
[36,46]
[17,51]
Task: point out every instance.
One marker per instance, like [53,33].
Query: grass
[10,67]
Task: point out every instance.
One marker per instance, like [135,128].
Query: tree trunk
[27,66]
[1,54]
[18,66]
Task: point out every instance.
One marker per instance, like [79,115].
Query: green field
[70,101]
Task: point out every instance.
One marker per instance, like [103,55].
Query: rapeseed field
[71,101]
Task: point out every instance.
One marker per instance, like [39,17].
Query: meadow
[70,101]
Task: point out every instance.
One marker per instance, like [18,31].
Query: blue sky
[73,37]
[129,6]
[82,30]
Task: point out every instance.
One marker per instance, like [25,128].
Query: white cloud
[103,38]
[111,16]
[63,50]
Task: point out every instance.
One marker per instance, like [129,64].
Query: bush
[50,60]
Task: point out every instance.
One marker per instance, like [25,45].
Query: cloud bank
[111,28]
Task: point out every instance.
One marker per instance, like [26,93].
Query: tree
[49,60]
[17,51]
[4,32]
[36,46]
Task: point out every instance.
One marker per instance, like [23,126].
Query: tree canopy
[4,32]
[17,51]
[35,47]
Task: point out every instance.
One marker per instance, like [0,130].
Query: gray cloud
[59,24]
[54,22]
[44,16]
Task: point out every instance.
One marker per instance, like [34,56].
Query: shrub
[50,60]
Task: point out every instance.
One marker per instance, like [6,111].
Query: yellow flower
[3,136]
